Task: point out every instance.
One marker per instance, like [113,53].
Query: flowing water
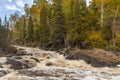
[53,66]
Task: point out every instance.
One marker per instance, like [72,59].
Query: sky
[8,7]
[87,1]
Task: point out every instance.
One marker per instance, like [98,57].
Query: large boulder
[21,63]
[95,57]
[15,64]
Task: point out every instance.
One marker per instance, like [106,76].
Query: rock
[29,63]
[15,64]
[9,50]
[95,57]
[1,65]
[17,57]
[49,64]
[21,64]
[3,73]
[37,60]
[48,57]
[21,53]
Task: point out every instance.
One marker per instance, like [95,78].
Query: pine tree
[43,28]
[0,32]
[107,31]
[5,21]
[30,29]
[76,21]
[57,30]
[23,29]
[0,22]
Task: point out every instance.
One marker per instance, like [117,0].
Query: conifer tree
[43,28]
[23,29]
[30,29]
[57,30]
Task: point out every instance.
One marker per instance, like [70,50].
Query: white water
[72,69]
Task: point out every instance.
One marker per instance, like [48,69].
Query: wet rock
[21,53]
[37,60]
[95,57]
[1,65]
[15,64]
[29,63]
[9,50]
[17,57]
[48,57]
[21,64]
[49,64]
[3,73]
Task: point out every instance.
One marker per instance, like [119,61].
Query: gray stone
[15,64]
[3,73]
[21,64]
[29,63]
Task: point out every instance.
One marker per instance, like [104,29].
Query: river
[52,66]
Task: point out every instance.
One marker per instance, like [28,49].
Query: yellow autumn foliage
[95,40]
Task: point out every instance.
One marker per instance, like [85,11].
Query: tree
[5,21]
[23,29]
[3,35]
[107,32]
[43,28]
[30,29]
[0,22]
[27,10]
[57,30]
[0,32]
[75,16]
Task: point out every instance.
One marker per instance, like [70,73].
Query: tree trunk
[113,32]
[107,44]
[102,10]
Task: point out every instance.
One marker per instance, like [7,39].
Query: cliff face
[35,64]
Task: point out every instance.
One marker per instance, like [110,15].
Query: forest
[68,24]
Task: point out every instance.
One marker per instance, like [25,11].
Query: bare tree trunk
[114,43]
[66,47]
[107,44]
[113,32]
[102,15]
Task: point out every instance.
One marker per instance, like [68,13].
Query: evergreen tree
[5,21]
[43,29]
[107,32]
[0,32]
[57,30]
[76,21]
[23,29]
[30,29]
[0,22]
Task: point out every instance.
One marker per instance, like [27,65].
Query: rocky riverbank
[35,64]
[95,57]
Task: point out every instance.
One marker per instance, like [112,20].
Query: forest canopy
[67,24]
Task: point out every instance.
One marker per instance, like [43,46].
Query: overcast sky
[8,7]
